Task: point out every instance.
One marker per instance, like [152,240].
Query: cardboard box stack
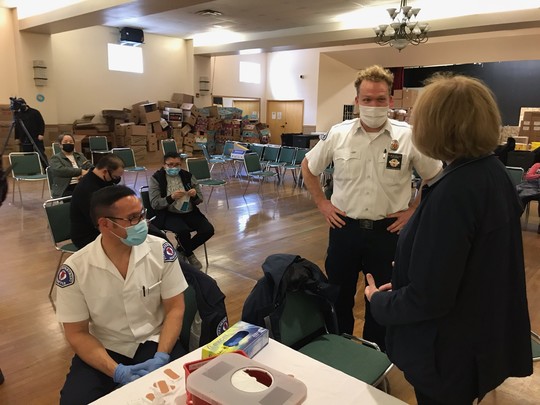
[6,118]
[530,126]
[221,124]
[84,127]
[403,101]
[398,99]
[409,98]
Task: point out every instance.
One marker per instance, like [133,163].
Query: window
[348,112]
[125,58]
[250,72]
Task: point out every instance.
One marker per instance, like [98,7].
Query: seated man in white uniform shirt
[120,299]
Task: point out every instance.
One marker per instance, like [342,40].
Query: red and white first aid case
[324,384]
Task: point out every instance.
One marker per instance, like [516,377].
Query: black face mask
[114,180]
[68,147]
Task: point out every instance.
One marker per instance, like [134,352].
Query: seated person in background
[529,189]
[67,167]
[501,151]
[120,300]
[108,171]
[174,195]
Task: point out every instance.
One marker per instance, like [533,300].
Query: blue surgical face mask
[136,234]
[172,171]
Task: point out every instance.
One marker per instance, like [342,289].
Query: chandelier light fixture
[404,28]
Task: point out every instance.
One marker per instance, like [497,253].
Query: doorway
[252,108]
[249,106]
[284,117]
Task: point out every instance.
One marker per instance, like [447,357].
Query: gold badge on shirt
[394,145]
[394,161]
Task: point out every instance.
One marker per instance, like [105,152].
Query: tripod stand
[4,173]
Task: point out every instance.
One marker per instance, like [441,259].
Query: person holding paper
[174,195]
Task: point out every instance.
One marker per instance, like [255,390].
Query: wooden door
[284,117]
[249,107]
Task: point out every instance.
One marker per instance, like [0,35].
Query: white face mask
[373,117]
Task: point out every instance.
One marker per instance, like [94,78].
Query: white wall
[224,78]
[284,82]
[202,67]
[336,88]
[86,86]
[81,83]
[8,65]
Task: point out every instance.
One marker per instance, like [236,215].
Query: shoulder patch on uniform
[324,136]
[65,276]
[169,253]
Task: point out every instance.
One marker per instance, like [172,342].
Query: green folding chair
[296,166]
[26,166]
[50,179]
[169,146]
[286,157]
[99,147]
[312,336]
[56,148]
[57,211]
[201,171]
[254,169]
[213,161]
[535,342]
[516,174]
[150,213]
[130,165]
[270,155]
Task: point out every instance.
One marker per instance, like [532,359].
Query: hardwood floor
[34,355]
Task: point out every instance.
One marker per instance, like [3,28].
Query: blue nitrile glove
[159,359]
[124,374]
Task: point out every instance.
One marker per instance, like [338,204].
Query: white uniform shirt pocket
[347,165]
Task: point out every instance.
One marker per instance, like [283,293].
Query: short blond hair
[455,117]
[374,73]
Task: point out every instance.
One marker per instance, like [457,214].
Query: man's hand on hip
[330,213]
[402,217]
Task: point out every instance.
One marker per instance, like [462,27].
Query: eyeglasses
[134,219]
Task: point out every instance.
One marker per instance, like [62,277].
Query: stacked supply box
[530,126]
[241,336]
[6,118]
[149,113]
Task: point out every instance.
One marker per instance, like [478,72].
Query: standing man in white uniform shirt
[120,299]
[373,161]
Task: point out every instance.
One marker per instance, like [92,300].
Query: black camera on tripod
[17,104]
